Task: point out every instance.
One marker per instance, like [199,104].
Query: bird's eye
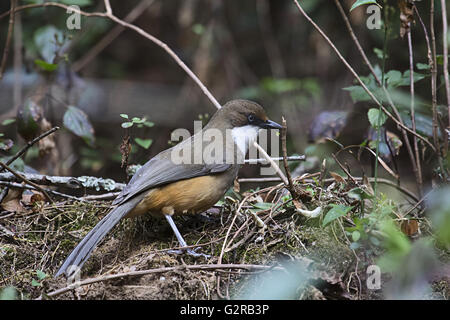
[251,118]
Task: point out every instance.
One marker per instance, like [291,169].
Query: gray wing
[160,171]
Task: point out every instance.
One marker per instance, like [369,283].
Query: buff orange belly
[182,197]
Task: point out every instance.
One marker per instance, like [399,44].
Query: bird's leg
[183,243]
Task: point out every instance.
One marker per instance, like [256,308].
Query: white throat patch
[243,136]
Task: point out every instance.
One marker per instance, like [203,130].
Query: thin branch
[445,49]
[285,162]
[145,34]
[359,179]
[381,84]
[67,182]
[413,116]
[272,163]
[361,83]
[431,54]
[29,145]
[264,160]
[108,7]
[22,178]
[8,38]
[201,267]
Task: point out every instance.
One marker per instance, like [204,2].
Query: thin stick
[146,35]
[285,162]
[8,38]
[201,267]
[272,163]
[413,116]
[108,7]
[264,160]
[381,84]
[361,83]
[22,178]
[445,49]
[29,145]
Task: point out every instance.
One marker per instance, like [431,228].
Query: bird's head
[245,118]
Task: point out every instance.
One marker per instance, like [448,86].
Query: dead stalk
[413,117]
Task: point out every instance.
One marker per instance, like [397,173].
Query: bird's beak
[269,124]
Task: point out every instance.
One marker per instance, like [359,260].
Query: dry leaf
[337,177]
[406,16]
[236,186]
[12,201]
[410,227]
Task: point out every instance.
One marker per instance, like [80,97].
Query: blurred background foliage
[262,50]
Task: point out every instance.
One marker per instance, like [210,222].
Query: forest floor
[259,247]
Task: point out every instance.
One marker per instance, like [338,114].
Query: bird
[165,186]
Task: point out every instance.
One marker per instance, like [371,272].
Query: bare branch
[8,38]
[145,34]
[361,83]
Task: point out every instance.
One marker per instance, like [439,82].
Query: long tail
[82,251]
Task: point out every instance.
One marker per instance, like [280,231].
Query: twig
[285,162]
[361,83]
[259,180]
[22,178]
[431,54]
[145,34]
[272,163]
[383,164]
[16,185]
[381,84]
[445,52]
[29,145]
[201,267]
[344,169]
[359,179]
[413,116]
[108,7]
[8,38]
[113,34]
[264,160]
[60,181]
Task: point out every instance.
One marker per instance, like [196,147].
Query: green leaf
[198,29]
[379,53]
[358,93]
[126,125]
[8,121]
[336,211]
[356,235]
[144,143]
[35,283]
[423,66]
[77,122]
[393,78]
[359,194]
[376,117]
[45,65]
[41,274]
[123,115]
[8,293]
[358,3]
[148,124]
[137,120]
